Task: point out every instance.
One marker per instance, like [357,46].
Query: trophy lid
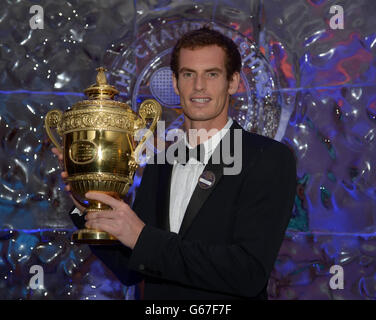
[101,90]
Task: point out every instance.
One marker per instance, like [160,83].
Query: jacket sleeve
[116,256]
[243,267]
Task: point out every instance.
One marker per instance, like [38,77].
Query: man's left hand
[121,222]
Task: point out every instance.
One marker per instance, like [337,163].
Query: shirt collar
[213,141]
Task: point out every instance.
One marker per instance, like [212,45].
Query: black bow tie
[197,153]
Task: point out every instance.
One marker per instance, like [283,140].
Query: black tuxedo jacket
[230,235]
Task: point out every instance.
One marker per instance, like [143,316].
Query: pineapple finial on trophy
[101,76]
[101,90]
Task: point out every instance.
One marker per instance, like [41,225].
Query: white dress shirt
[185,177]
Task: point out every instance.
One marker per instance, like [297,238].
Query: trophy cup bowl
[100,148]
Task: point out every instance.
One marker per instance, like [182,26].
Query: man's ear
[175,84]
[234,83]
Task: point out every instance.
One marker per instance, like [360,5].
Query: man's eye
[187,74]
[212,74]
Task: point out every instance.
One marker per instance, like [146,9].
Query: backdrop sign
[140,70]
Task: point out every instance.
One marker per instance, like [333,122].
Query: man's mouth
[201,100]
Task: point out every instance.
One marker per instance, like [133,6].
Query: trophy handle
[149,109]
[52,120]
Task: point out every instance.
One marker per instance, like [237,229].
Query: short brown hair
[207,37]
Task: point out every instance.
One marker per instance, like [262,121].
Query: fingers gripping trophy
[100,150]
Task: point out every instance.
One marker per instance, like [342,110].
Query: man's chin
[198,117]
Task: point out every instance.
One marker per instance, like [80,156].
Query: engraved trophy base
[92,236]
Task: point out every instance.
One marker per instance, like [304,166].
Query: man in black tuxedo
[195,232]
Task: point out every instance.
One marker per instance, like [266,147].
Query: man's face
[202,84]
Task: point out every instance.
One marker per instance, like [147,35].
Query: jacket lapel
[200,195]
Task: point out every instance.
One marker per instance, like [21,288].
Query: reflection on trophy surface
[99,146]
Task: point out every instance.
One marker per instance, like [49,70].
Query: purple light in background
[46,93]
[37,230]
[56,93]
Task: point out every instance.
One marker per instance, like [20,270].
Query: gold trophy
[100,149]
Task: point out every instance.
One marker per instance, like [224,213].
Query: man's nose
[200,83]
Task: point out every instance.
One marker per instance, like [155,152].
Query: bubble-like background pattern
[326,91]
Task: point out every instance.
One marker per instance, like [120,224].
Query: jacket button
[141,267]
